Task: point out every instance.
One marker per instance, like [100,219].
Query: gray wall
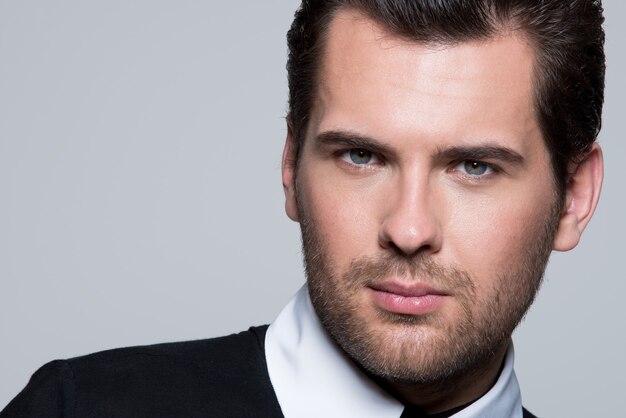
[140,196]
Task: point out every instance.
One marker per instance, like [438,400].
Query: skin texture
[424,169]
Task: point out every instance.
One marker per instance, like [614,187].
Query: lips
[407,299]
[408,290]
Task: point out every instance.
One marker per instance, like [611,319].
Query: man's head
[421,168]
[566,36]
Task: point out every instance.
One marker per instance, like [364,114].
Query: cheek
[494,235]
[344,218]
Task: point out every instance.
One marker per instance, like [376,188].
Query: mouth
[407,299]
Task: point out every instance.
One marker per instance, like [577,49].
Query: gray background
[140,196]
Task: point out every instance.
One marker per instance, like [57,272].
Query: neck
[453,392]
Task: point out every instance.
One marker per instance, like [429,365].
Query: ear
[581,198]
[289,175]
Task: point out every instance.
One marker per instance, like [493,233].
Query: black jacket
[219,377]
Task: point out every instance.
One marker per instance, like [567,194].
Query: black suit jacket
[220,377]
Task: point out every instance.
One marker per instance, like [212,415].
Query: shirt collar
[312,377]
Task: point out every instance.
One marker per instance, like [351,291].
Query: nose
[411,221]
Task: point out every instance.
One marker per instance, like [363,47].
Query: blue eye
[473,168]
[359,156]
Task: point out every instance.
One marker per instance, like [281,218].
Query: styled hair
[566,36]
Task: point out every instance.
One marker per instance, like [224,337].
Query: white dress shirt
[313,378]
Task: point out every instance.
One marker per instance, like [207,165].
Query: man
[437,151]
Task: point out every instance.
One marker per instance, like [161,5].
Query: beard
[430,351]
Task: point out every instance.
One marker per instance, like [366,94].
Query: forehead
[375,81]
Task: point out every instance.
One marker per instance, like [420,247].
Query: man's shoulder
[208,362]
[192,378]
[212,353]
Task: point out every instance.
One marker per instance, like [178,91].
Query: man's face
[426,199]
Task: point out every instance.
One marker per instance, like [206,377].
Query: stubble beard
[423,351]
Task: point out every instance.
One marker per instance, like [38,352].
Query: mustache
[369,271]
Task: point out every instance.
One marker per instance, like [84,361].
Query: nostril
[407,252]
[407,239]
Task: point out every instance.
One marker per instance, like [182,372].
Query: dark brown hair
[567,37]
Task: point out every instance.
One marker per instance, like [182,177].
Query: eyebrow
[354,140]
[481,152]
[487,151]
